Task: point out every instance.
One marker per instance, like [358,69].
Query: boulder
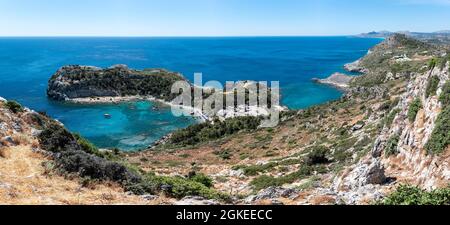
[196,200]
[149,197]
[272,193]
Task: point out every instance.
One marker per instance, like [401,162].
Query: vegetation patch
[392,145]
[14,106]
[440,138]
[414,108]
[265,181]
[432,86]
[199,133]
[176,187]
[318,155]
[445,95]
[73,157]
[388,120]
[409,195]
[224,154]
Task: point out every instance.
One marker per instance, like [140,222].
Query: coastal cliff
[338,80]
[75,82]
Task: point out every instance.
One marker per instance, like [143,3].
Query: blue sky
[218,17]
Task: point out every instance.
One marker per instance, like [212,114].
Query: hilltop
[438,37]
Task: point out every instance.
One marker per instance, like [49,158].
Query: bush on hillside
[177,187]
[55,138]
[440,138]
[14,106]
[87,146]
[414,108]
[76,156]
[445,95]
[432,86]
[409,195]
[87,165]
[198,133]
[318,155]
[265,181]
[392,145]
[201,178]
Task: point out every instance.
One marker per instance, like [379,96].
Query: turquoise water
[27,63]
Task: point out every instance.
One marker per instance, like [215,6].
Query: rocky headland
[338,80]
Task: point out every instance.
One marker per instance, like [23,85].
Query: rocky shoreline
[118,84]
[338,80]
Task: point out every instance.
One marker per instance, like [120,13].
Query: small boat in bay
[108,116]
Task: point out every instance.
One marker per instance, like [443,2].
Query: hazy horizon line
[167,36]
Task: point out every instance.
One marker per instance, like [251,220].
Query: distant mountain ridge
[439,37]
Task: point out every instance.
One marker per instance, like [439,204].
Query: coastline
[116,100]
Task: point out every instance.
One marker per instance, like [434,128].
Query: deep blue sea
[27,63]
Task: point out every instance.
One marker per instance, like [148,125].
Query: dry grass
[21,139]
[23,182]
[4,152]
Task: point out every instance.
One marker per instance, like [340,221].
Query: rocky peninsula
[93,85]
[75,83]
[338,80]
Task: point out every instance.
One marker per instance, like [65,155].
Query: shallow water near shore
[27,63]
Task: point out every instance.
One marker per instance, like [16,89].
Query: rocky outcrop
[412,162]
[272,194]
[72,82]
[355,67]
[195,200]
[338,80]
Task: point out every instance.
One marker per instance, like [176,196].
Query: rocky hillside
[390,129]
[72,82]
[31,175]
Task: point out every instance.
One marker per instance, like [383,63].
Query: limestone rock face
[368,178]
[195,200]
[338,80]
[71,82]
[355,67]
[412,162]
[364,173]
[272,193]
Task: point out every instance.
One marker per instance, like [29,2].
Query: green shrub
[392,145]
[14,106]
[409,195]
[202,178]
[55,138]
[177,187]
[203,132]
[224,154]
[318,155]
[432,86]
[433,62]
[445,95]
[254,170]
[440,138]
[265,181]
[390,118]
[414,108]
[87,146]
